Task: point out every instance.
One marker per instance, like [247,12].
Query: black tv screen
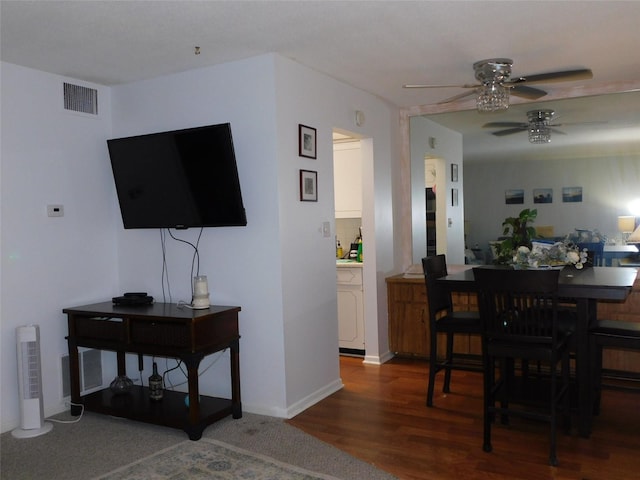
[178,179]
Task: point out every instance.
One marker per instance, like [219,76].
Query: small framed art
[454,197]
[543,195]
[571,194]
[307,141]
[454,172]
[514,196]
[308,186]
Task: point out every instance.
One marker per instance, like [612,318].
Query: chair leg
[596,362]
[553,458]
[433,369]
[566,400]
[489,377]
[449,360]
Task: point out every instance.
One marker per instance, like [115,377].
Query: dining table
[585,287]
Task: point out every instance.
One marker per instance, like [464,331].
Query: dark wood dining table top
[600,283]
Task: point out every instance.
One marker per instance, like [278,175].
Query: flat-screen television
[178,179]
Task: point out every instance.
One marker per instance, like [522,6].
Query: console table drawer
[101,329]
[161,333]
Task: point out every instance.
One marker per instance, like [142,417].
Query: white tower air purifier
[32,422]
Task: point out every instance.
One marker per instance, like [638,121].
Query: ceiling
[376,46]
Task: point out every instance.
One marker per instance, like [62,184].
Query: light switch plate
[326,229]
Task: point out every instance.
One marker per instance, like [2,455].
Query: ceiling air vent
[80,99]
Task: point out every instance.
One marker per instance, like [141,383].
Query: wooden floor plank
[380,416]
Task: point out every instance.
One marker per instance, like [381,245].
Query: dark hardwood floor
[380,416]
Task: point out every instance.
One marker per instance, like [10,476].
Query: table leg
[586,316]
[194,426]
[236,404]
[74,377]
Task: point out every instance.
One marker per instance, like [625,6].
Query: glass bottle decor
[121,384]
[155,384]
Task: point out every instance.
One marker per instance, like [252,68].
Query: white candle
[201,287]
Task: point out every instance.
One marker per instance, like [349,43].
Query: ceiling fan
[495,84]
[538,125]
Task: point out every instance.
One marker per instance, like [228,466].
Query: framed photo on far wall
[308,186]
[513,196]
[571,194]
[542,195]
[306,141]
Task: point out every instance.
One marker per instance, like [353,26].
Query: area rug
[210,459]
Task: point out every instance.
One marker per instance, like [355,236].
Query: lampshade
[626,223]
[635,236]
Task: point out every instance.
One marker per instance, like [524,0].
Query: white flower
[573,256]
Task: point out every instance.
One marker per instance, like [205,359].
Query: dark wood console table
[163,330]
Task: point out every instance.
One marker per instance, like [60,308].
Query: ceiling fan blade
[457,97]
[560,132]
[527,92]
[505,125]
[564,76]
[509,131]
[570,124]
[419,85]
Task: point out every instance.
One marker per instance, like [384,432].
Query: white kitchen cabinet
[347,182]
[350,309]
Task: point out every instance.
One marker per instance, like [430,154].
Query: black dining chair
[519,310]
[443,319]
[611,334]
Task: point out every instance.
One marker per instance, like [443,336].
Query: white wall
[447,147]
[280,268]
[51,156]
[608,185]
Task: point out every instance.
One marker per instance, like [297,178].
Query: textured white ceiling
[374,45]
[377,46]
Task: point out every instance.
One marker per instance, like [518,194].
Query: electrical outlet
[55,210]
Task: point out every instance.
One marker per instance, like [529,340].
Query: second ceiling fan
[539,126]
[495,84]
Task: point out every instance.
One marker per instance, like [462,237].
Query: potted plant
[519,233]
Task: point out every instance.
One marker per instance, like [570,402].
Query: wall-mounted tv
[178,179]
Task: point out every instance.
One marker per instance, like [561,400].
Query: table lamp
[635,236]
[626,225]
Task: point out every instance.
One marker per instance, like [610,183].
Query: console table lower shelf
[171,411]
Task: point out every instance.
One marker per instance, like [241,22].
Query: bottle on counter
[359,255]
[339,251]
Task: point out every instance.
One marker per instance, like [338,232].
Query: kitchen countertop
[348,263]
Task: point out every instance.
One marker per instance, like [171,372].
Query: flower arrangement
[545,255]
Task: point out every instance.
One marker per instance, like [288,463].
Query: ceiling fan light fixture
[539,131]
[492,97]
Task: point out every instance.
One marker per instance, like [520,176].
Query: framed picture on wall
[571,194]
[308,186]
[542,195]
[307,141]
[454,197]
[454,172]
[514,196]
